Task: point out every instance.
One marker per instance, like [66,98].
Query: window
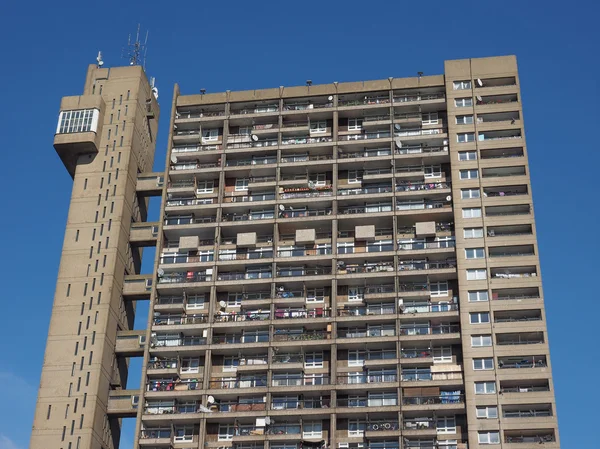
[210,135]
[442,354]
[467,155]
[470,194]
[382,399]
[80,121]
[462,85]
[356,294]
[183,433]
[483,364]
[438,288]
[354,176]
[429,118]
[476,274]
[230,363]
[241,184]
[312,429]
[432,171]
[245,130]
[465,137]
[469,174]
[479,341]
[190,365]
[356,358]
[354,124]
[478,296]
[474,253]
[473,233]
[345,247]
[489,437]
[487,412]
[356,428]
[446,424]
[226,432]
[463,102]
[464,119]
[195,301]
[313,360]
[205,186]
[479,317]
[471,212]
[318,127]
[485,387]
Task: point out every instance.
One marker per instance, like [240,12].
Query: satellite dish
[449,198]
[99,59]
[281,207]
[397,127]
[156,314]
[174,159]
[479,98]
[155,92]
[479,82]
[160,272]
[222,304]
[210,399]
[311,185]
[398,142]
[254,137]
[330,98]
[268,420]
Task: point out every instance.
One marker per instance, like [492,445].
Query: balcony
[226,383]
[511,251]
[300,404]
[163,363]
[487,136]
[522,362]
[415,307]
[177,220]
[304,335]
[185,277]
[412,97]
[368,332]
[533,387]
[530,438]
[298,380]
[306,192]
[516,316]
[369,310]
[264,214]
[374,189]
[425,264]
[251,143]
[304,140]
[375,208]
[425,329]
[176,384]
[425,245]
[239,276]
[409,186]
[418,131]
[172,319]
[297,314]
[420,149]
[249,198]
[513,273]
[421,204]
[255,109]
[367,100]
[262,160]
[502,172]
[163,341]
[505,211]
[365,152]
[295,158]
[501,153]
[515,294]
[258,253]
[302,251]
[183,149]
[448,398]
[303,271]
[233,317]
[365,136]
[487,100]
[344,268]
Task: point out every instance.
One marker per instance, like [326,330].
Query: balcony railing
[407,186]
[419,424]
[306,157]
[259,215]
[407,98]
[525,389]
[538,439]
[172,385]
[388,309]
[411,246]
[250,198]
[422,204]
[233,276]
[366,333]
[533,413]
[299,380]
[293,404]
[418,132]
[415,353]
[365,190]
[291,314]
[299,252]
[183,277]
[183,341]
[450,398]
[252,255]
[304,140]
[382,426]
[246,382]
[310,194]
[163,363]
[245,162]
[156,433]
[288,358]
[353,379]
[225,317]
[174,319]
[281,335]
[306,271]
[413,265]
[425,308]
[430,330]
[379,289]
[421,150]
[366,136]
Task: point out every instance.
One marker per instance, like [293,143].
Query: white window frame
[478,296]
[488,437]
[429,118]
[469,155]
[382,399]
[226,432]
[356,294]
[463,102]
[486,387]
[193,365]
[470,194]
[241,184]
[315,295]
[356,357]
[78,121]
[479,318]
[205,186]
[245,130]
[233,366]
[487,412]
[473,233]
[432,171]
[193,301]
[344,246]
[481,341]
[361,427]
[188,434]
[470,173]
[471,212]
[474,253]
[234,299]
[355,124]
[462,85]
[442,354]
[210,135]
[441,289]
[319,179]
[464,119]
[319,126]
[476,274]
[311,360]
[483,364]
[465,137]
[445,424]
[355,176]
[312,429]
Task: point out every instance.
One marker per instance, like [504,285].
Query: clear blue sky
[46,46]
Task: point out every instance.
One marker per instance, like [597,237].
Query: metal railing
[291,314]
[225,317]
[365,136]
[421,150]
[281,335]
[365,190]
[407,98]
[430,400]
[189,276]
[430,330]
[407,186]
[414,265]
[175,319]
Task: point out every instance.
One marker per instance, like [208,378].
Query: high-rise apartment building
[350,265]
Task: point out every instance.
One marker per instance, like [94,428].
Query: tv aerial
[136,51]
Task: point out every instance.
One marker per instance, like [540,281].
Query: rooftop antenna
[202,91]
[309,83]
[136,51]
[99,59]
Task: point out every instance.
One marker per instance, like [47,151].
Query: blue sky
[46,46]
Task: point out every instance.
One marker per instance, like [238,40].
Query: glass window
[479,317]
[80,121]
[438,288]
[312,429]
[470,194]
[485,387]
[462,85]
[183,433]
[432,171]
[356,428]
[443,354]
[205,186]
[356,358]
[354,124]
[354,176]
[446,424]
[467,155]
[464,119]
[476,274]
[230,363]
[318,126]
[210,135]
[478,296]
[429,118]
[469,174]
[478,341]
[241,184]
[226,432]
[313,360]
[483,364]
[474,253]
[473,233]
[463,102]
[465,137]
[487,412]
[489,437]
[471,212]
